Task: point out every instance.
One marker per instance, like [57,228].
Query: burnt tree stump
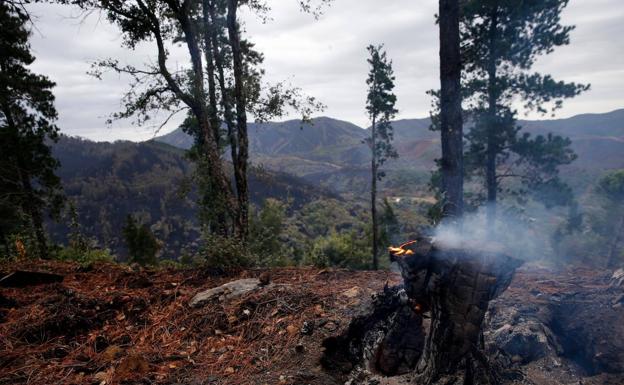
[451,285]
[455,283]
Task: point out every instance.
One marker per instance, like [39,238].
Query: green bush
[141,242]
[82,256]
[266,228]
[223,253]
[347,250]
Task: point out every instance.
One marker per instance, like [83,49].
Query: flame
[399,251]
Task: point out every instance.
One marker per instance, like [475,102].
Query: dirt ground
[109,324]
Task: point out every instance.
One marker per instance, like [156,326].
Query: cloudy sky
[326,58]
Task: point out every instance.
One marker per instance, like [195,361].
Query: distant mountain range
[328,146]
[301,162]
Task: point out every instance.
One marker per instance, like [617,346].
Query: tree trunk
[210,69]
[452,164]
[491,180]
[225,204]
[240,163]
[374,194]
[226,103]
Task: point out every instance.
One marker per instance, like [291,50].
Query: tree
[380,103]
[221,85]
[450,104]
[28,184]
[141,242]
[501,41]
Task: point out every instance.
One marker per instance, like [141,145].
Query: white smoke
[519,235]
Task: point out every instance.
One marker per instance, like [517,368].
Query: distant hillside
[108,181]
[330,151]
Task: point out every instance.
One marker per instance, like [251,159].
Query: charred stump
[431,325]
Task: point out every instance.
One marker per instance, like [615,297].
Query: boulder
[226,291]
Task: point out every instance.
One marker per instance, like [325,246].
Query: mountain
[331,152]
[108,181]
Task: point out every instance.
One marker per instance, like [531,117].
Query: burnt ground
[109,324]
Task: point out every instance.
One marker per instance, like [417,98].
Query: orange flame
[399,251]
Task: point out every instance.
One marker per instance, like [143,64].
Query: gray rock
[226,291]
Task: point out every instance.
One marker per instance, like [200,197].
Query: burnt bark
[374,195]
[456,283]
[452,163]
[451,285]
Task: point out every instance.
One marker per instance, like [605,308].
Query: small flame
[399,251]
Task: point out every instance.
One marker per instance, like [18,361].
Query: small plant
[143,246]
[225,253]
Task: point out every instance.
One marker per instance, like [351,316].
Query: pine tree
[28,184]
[380,103]
[450,117]
[501,41]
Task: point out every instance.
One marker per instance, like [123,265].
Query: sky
[326,58]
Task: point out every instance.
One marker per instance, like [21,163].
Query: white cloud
[326,57]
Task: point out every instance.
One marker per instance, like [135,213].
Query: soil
[111,324]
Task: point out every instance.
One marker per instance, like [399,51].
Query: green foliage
[266,229]
[346,250]
[501,42]
[28,183]
[219,252]
[82,256]
[141,242]
[595,236]
[380,102]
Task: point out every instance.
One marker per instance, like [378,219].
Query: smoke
[518,234]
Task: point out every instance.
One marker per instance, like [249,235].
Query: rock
[308,328]
[524,343]
[226,291]
[617,279]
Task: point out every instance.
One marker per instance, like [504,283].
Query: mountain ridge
[329,145]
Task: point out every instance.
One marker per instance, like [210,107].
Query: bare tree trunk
[240,163]
[210,69]
[226,104]
[491,151]
[452,163]
[374,194]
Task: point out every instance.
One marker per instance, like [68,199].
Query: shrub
[142,245]
[348,250]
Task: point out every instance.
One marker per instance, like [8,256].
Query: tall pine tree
[450,117]
[501,41]
[28,184]
[380,108]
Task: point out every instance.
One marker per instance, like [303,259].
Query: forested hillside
[153,181]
